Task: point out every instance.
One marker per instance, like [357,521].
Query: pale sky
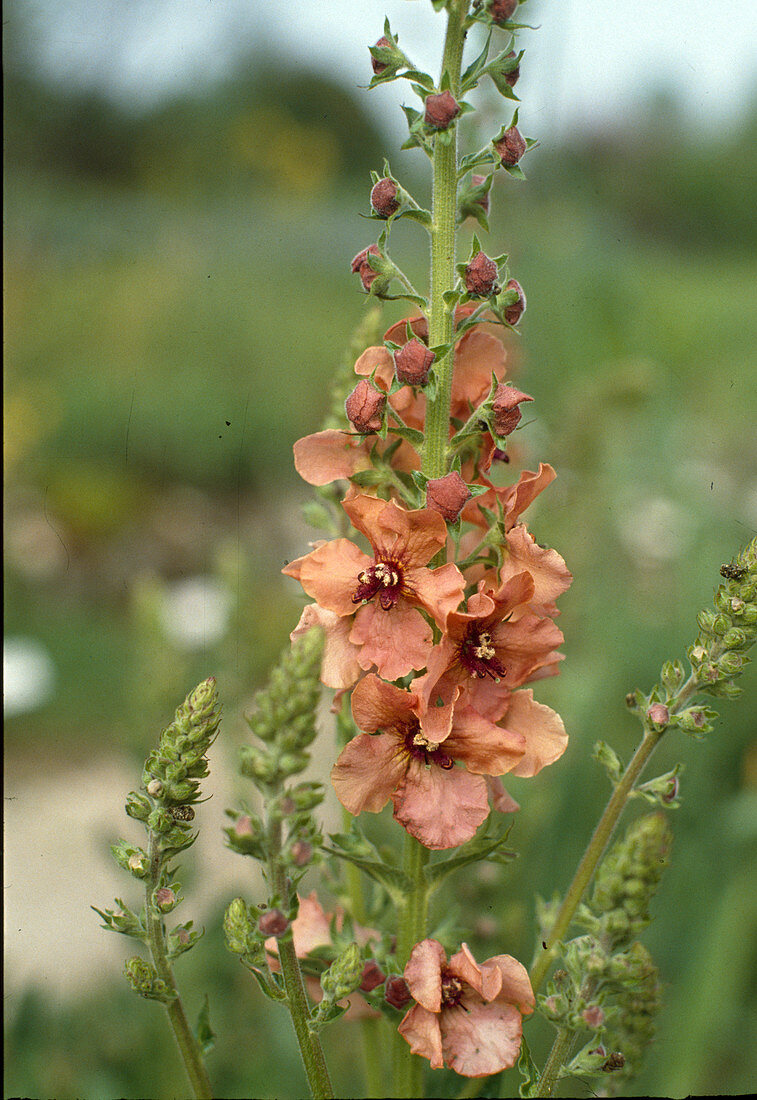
[590,60]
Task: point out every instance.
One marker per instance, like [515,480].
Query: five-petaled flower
[385,590]
[468,1016]
[438,803]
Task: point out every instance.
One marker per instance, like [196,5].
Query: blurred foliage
[178,297]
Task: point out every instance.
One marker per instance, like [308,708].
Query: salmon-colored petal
[326,456]
[515,984]
[524,645]
[364,511]
[411,537]
[484,748]
[397,641]
[442,808]
[377,705]
[464,966]
[329,574]
[377,359]
[498,796]
[477,355]
[440,590]
[421,1029]
[528,486]
[423,973]
[479,1039]
[339,665]
[550,573]
[543,729]
[367,771]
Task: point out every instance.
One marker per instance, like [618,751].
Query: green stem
[443,214]
[311,1051]
[187,1043]
[558,1056]
[602,834]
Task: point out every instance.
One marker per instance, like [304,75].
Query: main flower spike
[467,1016]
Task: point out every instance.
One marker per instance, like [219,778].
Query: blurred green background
[178,297]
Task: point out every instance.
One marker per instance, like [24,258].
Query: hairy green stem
[443,214]
[311,1050]
[558,1056]
[187,1043]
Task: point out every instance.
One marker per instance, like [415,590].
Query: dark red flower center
[424,750]
[452,990]
[478,656]
[382,579]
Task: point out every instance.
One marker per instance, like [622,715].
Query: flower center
[384,579]
[427,751]
[478,656]
[452,990]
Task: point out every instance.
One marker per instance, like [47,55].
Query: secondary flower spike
[467,1016]
[385,590]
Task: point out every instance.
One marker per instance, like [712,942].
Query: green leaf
[355,848]
[481,847]
[476,67]
[204,1034]
[528,1071]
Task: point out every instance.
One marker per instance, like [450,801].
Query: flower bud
[273,923]
[384,197]
[361,267]
[516,309]
[412,362]
[593,1016]
[506,414]
[301,852]
[344,975]
[481,276]
[659,715]
[483,202]
[511,78]
[155,788]
[510,147]
[447,495]
[373,976]
[396,991]
[441,110]
[379,66]
[615,1062]
[365,408]
[730,664]
[502,10]
[137,806]
[735,638]
[165,899]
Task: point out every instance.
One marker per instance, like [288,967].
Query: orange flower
[468,1016]
[384,591]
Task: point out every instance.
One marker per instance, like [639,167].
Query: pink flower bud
[593,1016]
[447,495]
[243,826]
[273,923]
[384,197]
[365,407]
[483,202]
[502,10]
[481,276]
[441,110]
[301,853]
[412,363]
[361,267]
[505,408]
[511,78]
[514,312]
[373,975]
[378,66]
[396,991]
[164,898]
[658,714]
[510,147]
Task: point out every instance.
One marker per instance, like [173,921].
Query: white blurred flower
[28,676]
[655,530]
[196,612]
